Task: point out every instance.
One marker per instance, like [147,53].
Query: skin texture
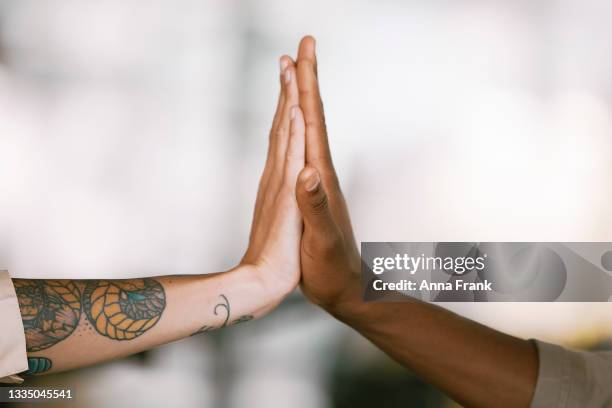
[75,323]
[69,323]
[475,365]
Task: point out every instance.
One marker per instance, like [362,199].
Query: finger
[307,50]
[317,146]
[265,177]
[282,132]
[294,160]
[285,62]
[314,206]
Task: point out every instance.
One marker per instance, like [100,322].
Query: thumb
[314,205]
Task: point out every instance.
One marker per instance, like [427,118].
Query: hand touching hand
[502,370]
[274,244]
[329,256]
[167,308]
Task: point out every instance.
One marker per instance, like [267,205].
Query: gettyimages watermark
[487,271]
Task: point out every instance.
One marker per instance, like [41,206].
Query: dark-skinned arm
[475,365]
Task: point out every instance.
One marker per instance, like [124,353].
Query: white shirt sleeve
[572,379]
[13,357]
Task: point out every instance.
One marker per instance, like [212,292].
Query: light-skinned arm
[69,324]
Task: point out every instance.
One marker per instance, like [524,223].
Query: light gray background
[132,135]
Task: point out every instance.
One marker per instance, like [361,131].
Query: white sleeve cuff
[13,357]
[572,379]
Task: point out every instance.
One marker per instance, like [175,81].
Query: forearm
[476,365]
[76,323]
[69,324]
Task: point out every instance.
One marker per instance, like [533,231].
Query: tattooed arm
[70,324]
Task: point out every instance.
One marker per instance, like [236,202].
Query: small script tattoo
[242,319]
[223,307]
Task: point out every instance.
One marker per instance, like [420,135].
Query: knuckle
[319,205]
[316,122]
[281,131]
[305,63]
[305,91]
[313,121]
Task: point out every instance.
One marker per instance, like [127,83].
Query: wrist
[351,309]
[349,304]
[262,285]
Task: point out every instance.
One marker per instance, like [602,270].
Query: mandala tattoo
[50,310]
[123,310]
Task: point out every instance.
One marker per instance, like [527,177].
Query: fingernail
[283,64]
[287,76]
[292,113]
[313,182]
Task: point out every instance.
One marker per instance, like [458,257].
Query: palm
[277,224]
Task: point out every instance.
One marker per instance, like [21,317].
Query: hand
[330,278]
[274,243]
[329,256]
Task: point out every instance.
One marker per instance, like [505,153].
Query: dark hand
[329,257]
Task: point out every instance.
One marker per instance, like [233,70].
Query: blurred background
[132,136]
